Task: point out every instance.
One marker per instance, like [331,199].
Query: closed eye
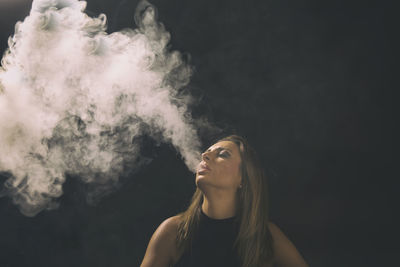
[224,154]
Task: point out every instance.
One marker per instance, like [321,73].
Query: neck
[219,204]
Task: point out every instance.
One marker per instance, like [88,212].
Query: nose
[205,156]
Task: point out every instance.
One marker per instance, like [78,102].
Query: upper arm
[286,254]
[161,247]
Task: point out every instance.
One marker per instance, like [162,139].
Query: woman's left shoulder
[274,229]
[286,254]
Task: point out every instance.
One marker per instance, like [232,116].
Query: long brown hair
[254,240]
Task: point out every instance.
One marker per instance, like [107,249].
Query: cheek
[230,171]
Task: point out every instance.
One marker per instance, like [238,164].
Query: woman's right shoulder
[170,225]
[172,221]
[161,250]
[168,229]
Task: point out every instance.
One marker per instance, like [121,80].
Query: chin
[204,181]
[201,179]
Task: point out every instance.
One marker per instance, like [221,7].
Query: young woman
[226,223]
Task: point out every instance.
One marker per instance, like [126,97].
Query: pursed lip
[203,167]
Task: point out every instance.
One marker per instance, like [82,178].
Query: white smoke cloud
[74,99]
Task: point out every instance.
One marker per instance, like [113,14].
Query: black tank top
[212,245]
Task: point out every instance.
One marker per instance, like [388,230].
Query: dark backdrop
[302,80]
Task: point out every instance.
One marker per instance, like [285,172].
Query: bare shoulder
[170,225]
[161,249]
[286,254]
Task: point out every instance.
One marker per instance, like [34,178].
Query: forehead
[228,145]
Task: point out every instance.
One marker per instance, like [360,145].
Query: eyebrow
[220,148]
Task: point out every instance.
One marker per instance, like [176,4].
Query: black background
[304,81]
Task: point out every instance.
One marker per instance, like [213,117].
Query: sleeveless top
[212,245]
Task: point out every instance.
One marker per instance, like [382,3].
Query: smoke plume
[76,100]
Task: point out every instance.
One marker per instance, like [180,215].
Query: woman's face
[223,162]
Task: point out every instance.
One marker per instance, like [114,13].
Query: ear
[241,183]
